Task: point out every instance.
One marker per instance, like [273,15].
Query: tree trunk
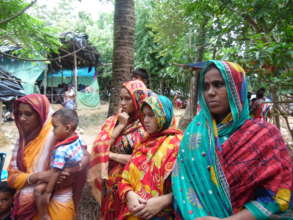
[192,103]
[124,29]
[275,100]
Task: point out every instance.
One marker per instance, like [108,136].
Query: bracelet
[28,179]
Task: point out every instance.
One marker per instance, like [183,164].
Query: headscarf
[101,147]
[41,105]
[207,191]
[162,108]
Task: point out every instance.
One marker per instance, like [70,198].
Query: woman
[259,108]
[30,161]
[146,182]
[113,148]
[229,166]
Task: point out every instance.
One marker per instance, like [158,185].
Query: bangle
[28,180]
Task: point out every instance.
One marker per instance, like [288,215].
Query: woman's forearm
[116,132]
[167,199]
[120,158]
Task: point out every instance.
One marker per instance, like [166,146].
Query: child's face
[5,202]
[61,131]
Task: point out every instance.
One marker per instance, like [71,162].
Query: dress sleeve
[124,186]
[59,158]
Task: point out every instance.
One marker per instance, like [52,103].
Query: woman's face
[28,118]
[149,120]
[126,101]
[215,94]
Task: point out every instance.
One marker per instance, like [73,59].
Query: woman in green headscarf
[230,166]
[146,182]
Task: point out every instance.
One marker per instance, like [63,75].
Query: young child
[6,200]
[69,152]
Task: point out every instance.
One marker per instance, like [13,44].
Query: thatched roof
[86,56]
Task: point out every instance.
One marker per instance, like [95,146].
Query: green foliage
[25,31]
[255,33]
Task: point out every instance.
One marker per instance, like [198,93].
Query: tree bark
[124,30]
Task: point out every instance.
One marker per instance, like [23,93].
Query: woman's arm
[120,158]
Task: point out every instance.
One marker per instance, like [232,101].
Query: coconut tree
[124,29]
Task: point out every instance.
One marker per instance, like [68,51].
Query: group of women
[225,165]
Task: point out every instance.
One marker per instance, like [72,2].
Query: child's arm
[52,182]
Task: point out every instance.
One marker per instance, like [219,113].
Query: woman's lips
[212,103]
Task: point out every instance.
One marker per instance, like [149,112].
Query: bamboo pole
[75,77]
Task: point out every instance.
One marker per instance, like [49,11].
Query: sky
[93,7]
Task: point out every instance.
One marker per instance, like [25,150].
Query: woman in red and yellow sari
[146,182]
[30,160]
[113,148]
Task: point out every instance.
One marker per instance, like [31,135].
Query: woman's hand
[134,202]
[123,119]
[64,176]
[152,208]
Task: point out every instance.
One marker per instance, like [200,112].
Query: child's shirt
[68,153]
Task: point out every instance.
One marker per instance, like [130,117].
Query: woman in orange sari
[30,160]
[113,148]
[146,181]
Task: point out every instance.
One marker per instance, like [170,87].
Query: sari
[260,109]
[32,157]
[148,171]
[238,163]
[104,174]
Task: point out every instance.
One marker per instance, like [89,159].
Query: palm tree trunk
[124,29]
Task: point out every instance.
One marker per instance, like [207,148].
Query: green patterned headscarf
[198,182]
[162,108]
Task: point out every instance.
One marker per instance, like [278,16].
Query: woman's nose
[22,118]
[211,90]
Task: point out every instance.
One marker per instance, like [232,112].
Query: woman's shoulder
[174,139]
[259,124]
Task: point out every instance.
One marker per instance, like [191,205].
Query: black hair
[4,187]
[67,116]
[260,93]
[142,73]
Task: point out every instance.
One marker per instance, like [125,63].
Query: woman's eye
[28,114]
[219,84]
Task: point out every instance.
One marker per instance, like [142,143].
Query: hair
[260,93]
[5,188]
[142,73]
[67,116]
